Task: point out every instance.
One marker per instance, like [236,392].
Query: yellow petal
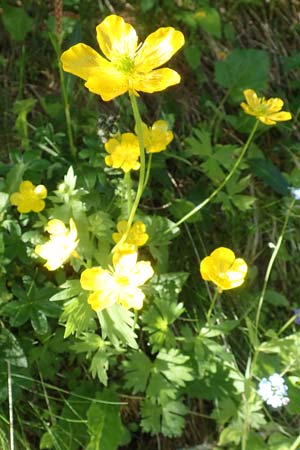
[223,258]
[205,266]
[155,81]
[158,48]
[274,104]
[251,98]
[116,38]
[56,227]
[26,186]
[141,273]
[107,82]
[37,205]
[100,300]
[40,191]
[15,198]
[81,60]
[280,116]
[248,110]
[92,279]
[124,263]
[131,297]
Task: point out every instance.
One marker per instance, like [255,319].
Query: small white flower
[273,391]
[295,192]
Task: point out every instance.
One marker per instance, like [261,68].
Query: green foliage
[236,71]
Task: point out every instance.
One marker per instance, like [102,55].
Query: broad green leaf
[104,424]
[39,321]
[276,298]
[117,324]
[17,22]
[99,365]
[71,288]
[137,371]
[78,316]
[171,365]
[10,349]
[266,171]
[209,20]
[236,71]
[166,418]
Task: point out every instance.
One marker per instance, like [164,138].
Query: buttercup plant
[137,308]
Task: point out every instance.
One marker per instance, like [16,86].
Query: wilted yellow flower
[223,269]
[157,137]
[267,111]
[127,66]
[123,153]
[61,244]
[29,198]
[119,285]
[136,237]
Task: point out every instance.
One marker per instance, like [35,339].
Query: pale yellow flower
[29,198]
[267,111]
[128,65]
[120,284]
[224,269]
[123,153]
[157,137]
[61,244]
[137,235]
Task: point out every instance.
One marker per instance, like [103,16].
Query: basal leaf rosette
[29,198]
[119,284]
[127,65]
[267,111]
[223,269]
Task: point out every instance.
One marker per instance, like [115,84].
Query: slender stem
[10,406]
[127,182]
[212,304]
[56,45]
[139,192]
[270,265]
[148,170]
[222,184]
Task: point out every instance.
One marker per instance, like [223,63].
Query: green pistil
[125,64]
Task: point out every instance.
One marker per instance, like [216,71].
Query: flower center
[122,280]
[125,64]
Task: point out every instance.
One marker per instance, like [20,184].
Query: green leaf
[266,171]
[166,418]
[71,288]
[99,365]
[276,298]
[77,315]
[236,71]
[104,424]
[17,22]
[192,54]
[10,349]
[117,324]
[209,20]
[171,365]
[231,434]
[137,371]
[39,321]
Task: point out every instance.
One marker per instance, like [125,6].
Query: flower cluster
[267,111]
[61,244]
[29,198]
[224,269]
[136,237]
[124,151]
[120,284]
[273,391]
[128,65]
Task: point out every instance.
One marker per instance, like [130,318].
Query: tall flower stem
[56,45]
[127,183]
[270,265]
[223,183]
[141,183]
[148,170]
[212,305]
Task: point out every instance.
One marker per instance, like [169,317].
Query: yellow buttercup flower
[120,284]
[123,153]
[29,198]
[137,235]
[61,244]
[157,137]
[127,66]
[224,269]
[267,111]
